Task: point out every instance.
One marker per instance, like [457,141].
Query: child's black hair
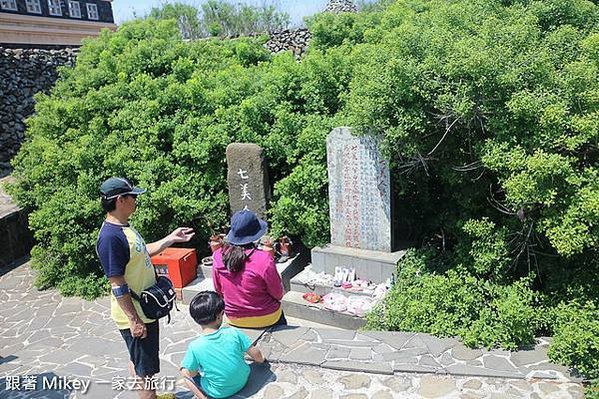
[206,306]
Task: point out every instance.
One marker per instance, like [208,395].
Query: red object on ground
[178,264]
[312,297]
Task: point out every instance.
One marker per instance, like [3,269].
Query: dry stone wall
[337,6]
[294,40]
[23,73]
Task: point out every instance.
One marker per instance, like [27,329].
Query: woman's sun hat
[246,228]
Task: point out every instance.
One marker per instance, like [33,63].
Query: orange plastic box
[178,264]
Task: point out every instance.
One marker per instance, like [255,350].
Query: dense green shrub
[576,337]
[592,390]
[490,116]
[457,303]
[488,113]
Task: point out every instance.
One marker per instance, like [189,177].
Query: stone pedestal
[375,266]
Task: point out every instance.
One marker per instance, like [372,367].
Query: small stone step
[198,285]
[295,305]
[15,238]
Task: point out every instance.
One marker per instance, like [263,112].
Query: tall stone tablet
[359,192]
[247,177]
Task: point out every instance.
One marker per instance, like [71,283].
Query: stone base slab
[375,266]
[295,305]
[196,286]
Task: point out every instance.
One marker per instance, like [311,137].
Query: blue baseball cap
[246,228]
[116,186]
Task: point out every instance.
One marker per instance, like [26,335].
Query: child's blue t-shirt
[219,358]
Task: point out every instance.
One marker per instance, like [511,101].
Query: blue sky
[297,9]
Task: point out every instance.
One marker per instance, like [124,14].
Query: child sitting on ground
[217,353]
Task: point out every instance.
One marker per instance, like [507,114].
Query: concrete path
[45,338]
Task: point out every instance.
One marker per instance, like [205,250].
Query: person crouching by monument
[125,258]
[247,277]
[218,352]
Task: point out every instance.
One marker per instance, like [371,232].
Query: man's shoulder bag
[158,300]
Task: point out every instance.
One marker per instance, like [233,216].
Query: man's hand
[182,234]
[138,328]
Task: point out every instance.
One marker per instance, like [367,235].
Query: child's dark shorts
[144,352]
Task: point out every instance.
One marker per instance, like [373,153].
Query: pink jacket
[256,290]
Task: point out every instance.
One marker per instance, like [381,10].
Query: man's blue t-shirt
[218,357]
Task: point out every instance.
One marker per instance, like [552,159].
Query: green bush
[576,337]
[508,318]
[456,303]
[592,390]
[221,18]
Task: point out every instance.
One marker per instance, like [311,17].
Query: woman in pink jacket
[247,277]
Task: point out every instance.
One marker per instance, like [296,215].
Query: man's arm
[182,234]
[136,325]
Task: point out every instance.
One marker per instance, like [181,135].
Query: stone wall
[338,6]
[295,40]
[23,73]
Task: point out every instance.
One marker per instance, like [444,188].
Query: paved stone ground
[47,336]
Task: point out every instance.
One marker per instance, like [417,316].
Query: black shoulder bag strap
[138,299]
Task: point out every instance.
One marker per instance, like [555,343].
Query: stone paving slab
[47,335]
[401,352]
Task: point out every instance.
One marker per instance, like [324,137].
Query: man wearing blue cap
[125,258]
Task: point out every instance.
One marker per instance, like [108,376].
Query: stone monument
[361,209]
[247,177]
[359,192]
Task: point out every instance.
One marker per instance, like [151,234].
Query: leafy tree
[187,18]
[221,18]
